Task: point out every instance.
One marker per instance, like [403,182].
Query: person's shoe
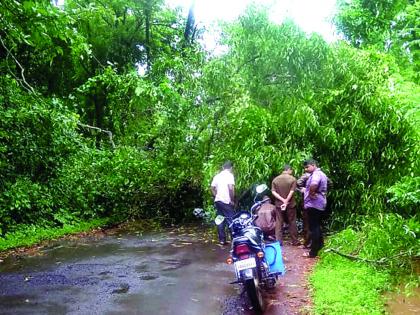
[223,243]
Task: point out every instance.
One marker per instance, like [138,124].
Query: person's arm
[313,188]
[291,192]
[275,194]
[232,194]
[301,182]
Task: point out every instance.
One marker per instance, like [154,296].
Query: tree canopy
[112,108]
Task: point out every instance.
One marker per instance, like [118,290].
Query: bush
[387,240]
[37,135]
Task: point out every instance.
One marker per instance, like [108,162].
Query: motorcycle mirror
[261,188]
[219,219]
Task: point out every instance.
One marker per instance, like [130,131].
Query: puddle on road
[176,271]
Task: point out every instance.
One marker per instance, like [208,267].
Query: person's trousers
[305,219]
[317,239]
[227,211]
[290,212]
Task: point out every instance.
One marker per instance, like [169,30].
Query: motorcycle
[257,264]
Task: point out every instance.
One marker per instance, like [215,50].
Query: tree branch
[356,258]
[31,90]
[22,70]
[247,62]
[109,133]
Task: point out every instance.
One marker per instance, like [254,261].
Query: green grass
[341,286]
[28,235]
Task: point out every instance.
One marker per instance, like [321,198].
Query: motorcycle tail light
[260,254]
[229,260]
[242,249]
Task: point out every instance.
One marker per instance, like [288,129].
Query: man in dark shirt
[283,188]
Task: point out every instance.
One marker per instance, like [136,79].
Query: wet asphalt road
[175,271]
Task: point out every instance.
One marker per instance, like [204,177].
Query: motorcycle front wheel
[254,293]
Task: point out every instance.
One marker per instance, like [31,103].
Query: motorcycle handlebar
[252,218]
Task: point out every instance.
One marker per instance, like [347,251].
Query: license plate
[245,264]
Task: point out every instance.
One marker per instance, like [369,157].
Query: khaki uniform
[283,184]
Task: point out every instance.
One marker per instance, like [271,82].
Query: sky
[310,15]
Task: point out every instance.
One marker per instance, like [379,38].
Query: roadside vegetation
[32,234]
[361,262]
[111,110]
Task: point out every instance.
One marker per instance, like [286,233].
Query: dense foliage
[301,97]
[112,109]
[391,26]
[69,82]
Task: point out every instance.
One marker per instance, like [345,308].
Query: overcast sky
[310,15]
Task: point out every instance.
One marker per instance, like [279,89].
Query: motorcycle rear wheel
[254,293]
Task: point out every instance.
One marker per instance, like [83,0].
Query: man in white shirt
[223,190]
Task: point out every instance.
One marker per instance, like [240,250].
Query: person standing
[301,184]
[223,191]
[283,188]
[315,202]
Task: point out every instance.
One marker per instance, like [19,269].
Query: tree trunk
[189,27]
[148,13]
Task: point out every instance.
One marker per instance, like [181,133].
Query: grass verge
[383,250]
[28,235]
[342,287]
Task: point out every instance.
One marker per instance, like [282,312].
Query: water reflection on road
[176,271]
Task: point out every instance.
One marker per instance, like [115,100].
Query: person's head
[227,166]
[287,169]
[310,165]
